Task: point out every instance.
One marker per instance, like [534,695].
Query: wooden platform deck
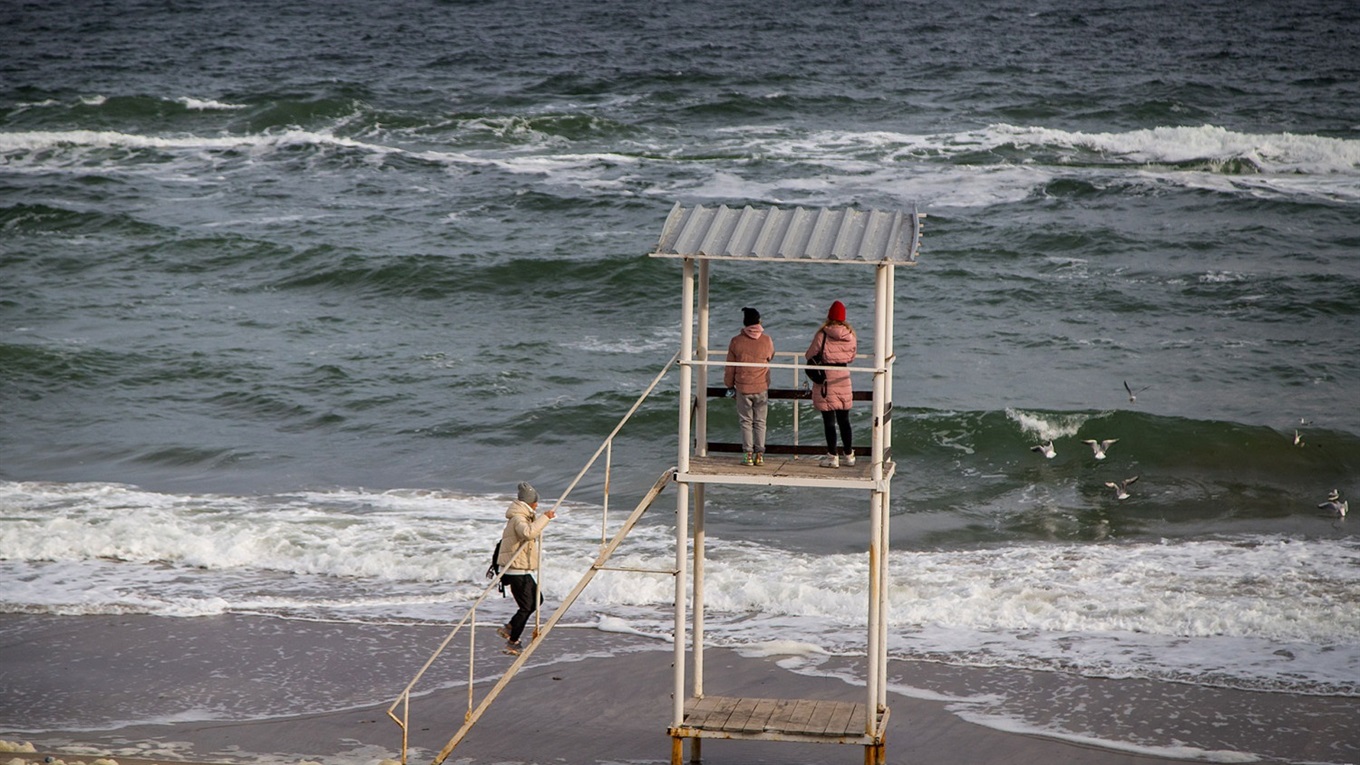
[783,470]
[805,720]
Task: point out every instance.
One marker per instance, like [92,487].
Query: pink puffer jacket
[841,345]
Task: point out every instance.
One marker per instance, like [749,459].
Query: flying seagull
[1121,489]
[1298,439]
[1336,504]
[1099,447]
[1046,449]
[1133,394]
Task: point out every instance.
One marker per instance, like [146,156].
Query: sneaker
[849,459]
[504,632]
[748,459]
[513,647]
[830,461]
[760,458]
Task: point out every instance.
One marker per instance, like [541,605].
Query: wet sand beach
[586,697]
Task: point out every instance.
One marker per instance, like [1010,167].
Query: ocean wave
[1205,147]
[18,145]
[1168,609]
[208,104]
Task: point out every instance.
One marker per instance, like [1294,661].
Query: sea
[293,295]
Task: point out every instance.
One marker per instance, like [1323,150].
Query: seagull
[1046,449]
[1099,447]
[1121,489]
[1133,395]
[1335,504]
[1298,439]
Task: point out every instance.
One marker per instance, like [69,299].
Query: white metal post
[890,345]
[872,670]
[682,489]
[697,593]
[886,499]
[686,369]
[881,350]
[701,420]
[681,555]
[701,447]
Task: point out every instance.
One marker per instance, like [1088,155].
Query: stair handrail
[404,698]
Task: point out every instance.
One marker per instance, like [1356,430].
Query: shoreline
[592,697]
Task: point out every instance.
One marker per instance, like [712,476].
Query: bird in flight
[1098,447]
[1121,489]
[1046,449]
[1133,394]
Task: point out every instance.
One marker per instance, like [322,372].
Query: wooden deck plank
[712,712]
[737,717]
[821,717]
[741,714]
[843,720]
[783,714]
[802,712]
[762,717]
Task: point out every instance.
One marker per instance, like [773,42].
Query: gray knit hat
[527,494]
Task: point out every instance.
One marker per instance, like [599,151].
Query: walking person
[750,385]
[834,343]
[519,561]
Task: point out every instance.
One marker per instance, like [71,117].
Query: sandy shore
[568,706]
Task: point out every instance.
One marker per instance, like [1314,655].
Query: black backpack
[495,567]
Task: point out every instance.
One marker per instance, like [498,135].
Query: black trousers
[830,420]
[527,597]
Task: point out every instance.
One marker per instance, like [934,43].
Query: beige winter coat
[521,525]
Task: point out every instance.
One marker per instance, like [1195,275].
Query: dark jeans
[830,420]
[525,590]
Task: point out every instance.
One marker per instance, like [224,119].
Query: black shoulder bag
[818,375]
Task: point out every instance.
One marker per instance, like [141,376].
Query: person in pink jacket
[750,385]
[835,341]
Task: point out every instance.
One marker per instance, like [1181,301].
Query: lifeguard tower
[701,237]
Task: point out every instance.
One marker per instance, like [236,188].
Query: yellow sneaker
[760,458]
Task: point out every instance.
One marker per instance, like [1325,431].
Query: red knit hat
[837,312]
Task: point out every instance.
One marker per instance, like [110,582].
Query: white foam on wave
[1273,153]
[1251,613]
[841,165]
[921,167]
[1010,724]
[1047,426]
[59,148]
[208,104]
[659,340]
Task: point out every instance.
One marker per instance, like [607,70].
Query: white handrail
[404,698]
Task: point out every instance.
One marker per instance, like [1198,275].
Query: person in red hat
[835,343]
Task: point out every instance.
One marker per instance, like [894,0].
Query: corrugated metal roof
[772,233]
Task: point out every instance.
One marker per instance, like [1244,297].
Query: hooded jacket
[841,345]
[753,346]
[522,525]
